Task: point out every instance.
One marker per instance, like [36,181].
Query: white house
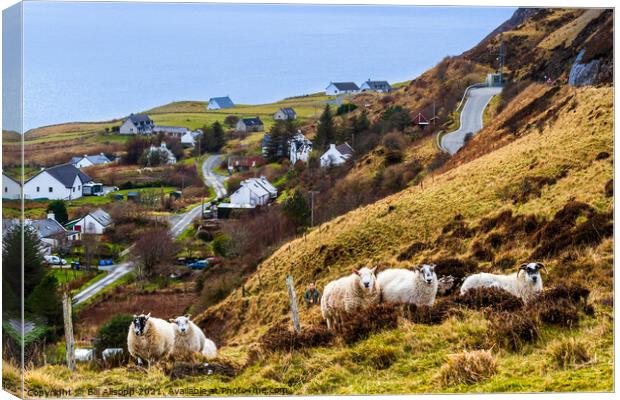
[89,161]
[60,182]
[254,192]
[177,131]
[376,86]
[168,156]
[250,125]
[137,124]
[336,155]
[11,189]
[218,103]
[51,232]
[94,222]
[300,148]
[284,114]
[336,88]
[190,138]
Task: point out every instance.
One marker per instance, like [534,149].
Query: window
[38,189]
[79,187]
[51,189]
[73,189]
[6,189]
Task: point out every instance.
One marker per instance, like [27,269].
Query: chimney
[51,215]
[332,146]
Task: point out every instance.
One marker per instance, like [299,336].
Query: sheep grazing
[189,339]
[349,294]
[525,284]
[417,287]
[150,339]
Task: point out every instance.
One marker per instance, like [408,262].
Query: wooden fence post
[293,302]
[70,344]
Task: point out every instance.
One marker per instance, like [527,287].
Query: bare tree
[154,252]
[89,244]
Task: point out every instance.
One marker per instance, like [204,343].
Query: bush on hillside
[513,330]
[492,299]
[113,334]
[362,324]
[281,338]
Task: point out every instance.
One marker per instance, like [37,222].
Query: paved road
[213,179]
[178,223]
[471,117]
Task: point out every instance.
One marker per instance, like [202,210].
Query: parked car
[214,261]
[55,260]
[200,264]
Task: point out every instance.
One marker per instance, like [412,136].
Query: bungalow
[51,232]
[89,161]
[59,182]
[250,125]
[218,103]
[420,120]
[336,88]
[300,148]
[286,113]
[245,163]
[137,124]
[177,131]
[167,156]
[11,188]
[254,192]
[94,222]
[189,139]
[336,155]
[376,86]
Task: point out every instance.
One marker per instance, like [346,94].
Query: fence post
[70,344]
[293,302]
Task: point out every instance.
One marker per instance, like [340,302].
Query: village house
[52,233]
[420,120]
[336,155]
[167,156]
[60,182]
[94,222]
[189,139]
[376,86]
[176,131]
[254,192]
[300,148]
[250,125]
[336,88]
[137,124]
[11,188]
[284,114]
[218,103]
[238,163]
[89,161]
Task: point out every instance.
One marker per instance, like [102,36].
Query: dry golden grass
[567,33]
[569,352]
[467,367]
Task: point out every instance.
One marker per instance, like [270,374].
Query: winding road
[178,223]
[471,117]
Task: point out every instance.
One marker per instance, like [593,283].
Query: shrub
[113,334]
[281,338]
[378,356]
[455,267]
[513,330]
[371,320]
[223,246]
[467,367]
[569,352]
[559,313]
[438,161]
[490,298]
[345,108]
[430,315]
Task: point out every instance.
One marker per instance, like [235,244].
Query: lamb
[524,285]
[189,339]
[150,339]
[349,294]
[417,287]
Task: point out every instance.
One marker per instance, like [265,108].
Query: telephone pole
[312,193]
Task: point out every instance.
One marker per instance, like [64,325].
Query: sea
[99,61]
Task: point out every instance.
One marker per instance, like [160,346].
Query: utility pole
[434,116]
[312,193]
[501,55]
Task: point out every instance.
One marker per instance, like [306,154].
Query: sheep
[150,338]
[524,285]
[349,294]
[417,287]
[111,352]
[83,355]
[189,338]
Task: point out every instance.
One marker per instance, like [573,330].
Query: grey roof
[140,118]
[252,121]
[378,85]
[345,85]
[345,149]
[66,173]
[96,159]
[48,227]
[170,129]
[101,216]
[289,112]
[223,102]
[7,223]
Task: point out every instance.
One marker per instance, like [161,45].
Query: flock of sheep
[152,339]
[363,288]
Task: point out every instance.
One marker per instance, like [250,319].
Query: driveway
[213,179]
[471,118]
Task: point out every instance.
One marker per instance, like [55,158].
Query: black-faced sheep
[525,284]
[150,339]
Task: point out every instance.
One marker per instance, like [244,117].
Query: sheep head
[181,324]
[139,323]
[426,273]
[366,278]
[531,273]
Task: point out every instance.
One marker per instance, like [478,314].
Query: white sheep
[150,339]
[189,338]
[417,287]
[524,285]
[349,294]
[111,352]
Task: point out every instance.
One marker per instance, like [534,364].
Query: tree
[154,250]
[113,333]
[134,149]
[44,301]
[231,120]
[280,135]
[297,209]
[213,138]
[90,243]
[59,208]
[326,131]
